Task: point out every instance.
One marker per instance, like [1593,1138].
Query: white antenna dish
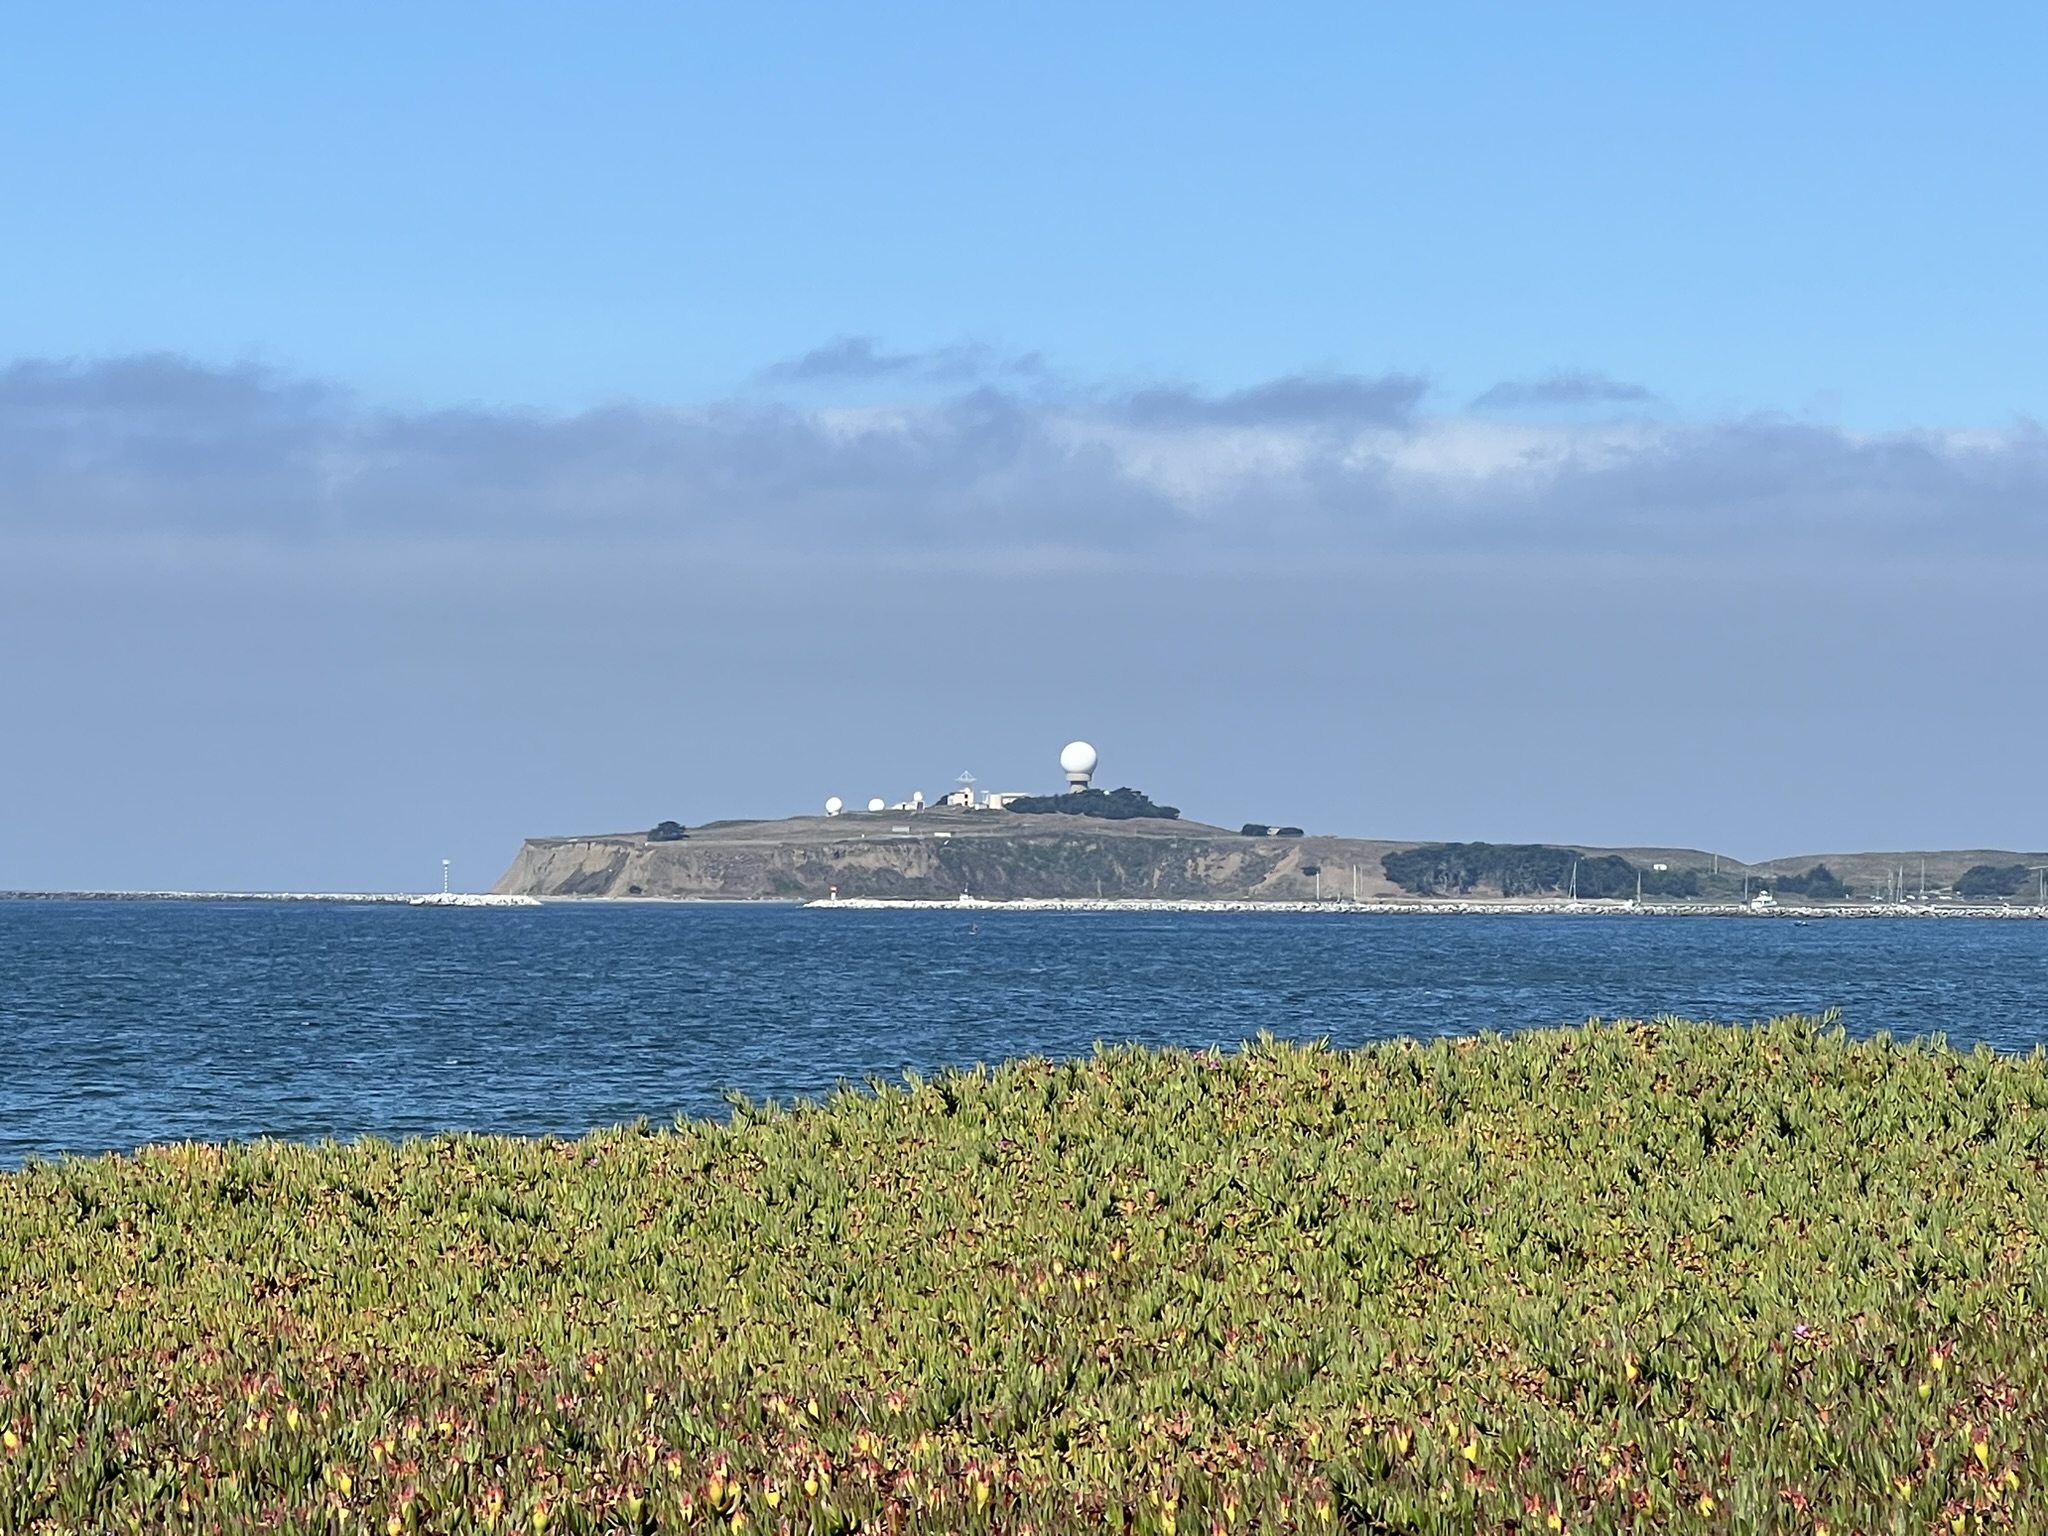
[834,806]
[878,804]
[1077,762]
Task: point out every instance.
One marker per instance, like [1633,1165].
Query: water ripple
[125,1023]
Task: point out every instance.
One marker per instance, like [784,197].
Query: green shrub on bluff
[1670,1277]
[1981,880]
[1513,869]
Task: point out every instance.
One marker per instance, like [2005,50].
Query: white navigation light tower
[834,806]
[444,877]
[1077,761]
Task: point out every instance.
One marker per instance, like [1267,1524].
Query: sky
[422,428]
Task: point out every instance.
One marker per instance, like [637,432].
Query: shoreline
[1440,908]
[1510,908]
[341,898]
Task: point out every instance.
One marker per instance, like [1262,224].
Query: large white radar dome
[834,806]
[1077,757]
[878,804]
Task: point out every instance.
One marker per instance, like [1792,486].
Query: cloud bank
[1566,387]
[1310,468]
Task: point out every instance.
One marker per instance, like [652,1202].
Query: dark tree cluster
[1111,805]
[1818,884]
[1260,829]
[668,832]
[1671,882]
[1992,880]
[1523,869]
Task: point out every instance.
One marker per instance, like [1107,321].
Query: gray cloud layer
[1565,387]
[860,360]
[1299,469]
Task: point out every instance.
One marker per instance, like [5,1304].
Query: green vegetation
[1531,869]
[1513,869]
[1981,880]
[1818,884]
[668,832]
[1111,805]
[1666,1277]
[1670,883]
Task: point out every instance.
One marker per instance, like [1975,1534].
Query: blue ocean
[123,1023]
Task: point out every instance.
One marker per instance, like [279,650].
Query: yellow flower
[1706,1503]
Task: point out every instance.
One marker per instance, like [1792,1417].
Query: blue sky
[423,427]
[1829,209]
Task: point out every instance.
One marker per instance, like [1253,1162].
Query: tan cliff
[943,854]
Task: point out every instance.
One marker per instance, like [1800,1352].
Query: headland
[938,855]
[1087,847]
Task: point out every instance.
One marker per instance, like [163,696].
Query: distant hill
[940,853]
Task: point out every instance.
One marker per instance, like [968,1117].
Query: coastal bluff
[941,854]
[945,853]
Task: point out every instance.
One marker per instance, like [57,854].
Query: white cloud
[1306,469]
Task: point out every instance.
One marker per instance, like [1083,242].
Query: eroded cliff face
[1068,861]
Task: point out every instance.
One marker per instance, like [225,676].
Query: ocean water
[123,1023]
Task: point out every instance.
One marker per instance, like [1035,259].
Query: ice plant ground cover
[1662,1277]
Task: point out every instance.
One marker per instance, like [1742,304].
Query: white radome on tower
[834,806]
[1077,761]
